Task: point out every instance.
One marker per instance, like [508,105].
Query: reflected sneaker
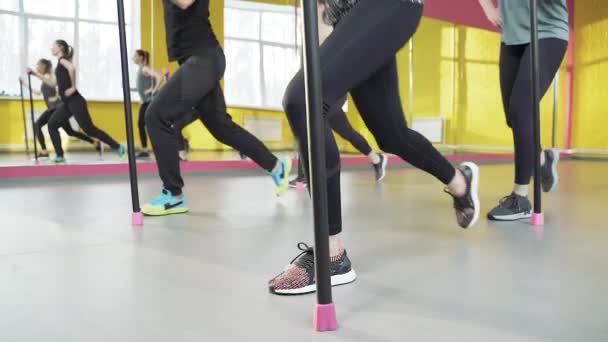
[165,204]
[294,182]
[299,276]
[43,154]
[57,161]
[143,155]
[511,208]
[467,206]
[549,175]
[121,151]
[280,176]
[380,168]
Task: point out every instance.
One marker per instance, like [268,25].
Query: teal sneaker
[281,176]
[122,152]
[57,161]
[165,204]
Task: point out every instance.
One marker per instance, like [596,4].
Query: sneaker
[380,168]
[183,155]
[280,176]
[467,206]
[121,151]
[549,175]
[58,161]
[299,276]
[43,154]
[511,208]
[294,183]
[165,204]
[143,155]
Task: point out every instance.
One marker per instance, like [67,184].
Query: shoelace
[510,201]
[307,263]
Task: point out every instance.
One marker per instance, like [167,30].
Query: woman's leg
[69,130]
[141,122]
[59,117]
[517,97]
[43,120]
[78,106]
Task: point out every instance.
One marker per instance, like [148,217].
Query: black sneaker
[467,206]
[549,175]
[143,155]
[299,276]
[511,208]
[43,154]
[380,168]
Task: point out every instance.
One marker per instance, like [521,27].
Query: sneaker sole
[513,217]
[554,170]
[474,191]
[384,164]
[165,212]
[285,183]
[337,280]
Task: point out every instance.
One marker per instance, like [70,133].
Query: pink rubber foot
[538,220]
[325,317]
[36,162]
[138,219]
[300,186]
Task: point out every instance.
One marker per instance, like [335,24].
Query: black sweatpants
[141,123]
[195,86]
[44,119]
[76,105]
[359,56]
[515,84]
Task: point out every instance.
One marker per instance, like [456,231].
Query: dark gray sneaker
[511,208]
[380,168]
[299,276]
[549,175]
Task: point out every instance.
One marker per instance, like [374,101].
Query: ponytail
[145,55]
[66,50]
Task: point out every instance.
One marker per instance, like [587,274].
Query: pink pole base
[325,317]
[538,220]
[137,219]
[300,186]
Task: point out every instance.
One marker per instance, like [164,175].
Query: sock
[375,158]
[521,190]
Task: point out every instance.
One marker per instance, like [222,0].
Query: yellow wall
[456,77]
[590,117]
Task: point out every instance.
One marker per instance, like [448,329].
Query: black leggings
[515,84]
[76,105]
[339,123]
[141,123]
[359,56]
[195,86]
[44,119]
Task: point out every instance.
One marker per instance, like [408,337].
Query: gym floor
[73,269]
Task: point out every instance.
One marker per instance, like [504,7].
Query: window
[90,26]
[261,53]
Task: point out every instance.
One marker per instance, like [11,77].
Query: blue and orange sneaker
[281,176]
[165,204]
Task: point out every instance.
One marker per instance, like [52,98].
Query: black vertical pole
[27,144]
[325,314]
[126,91]
[29,83]
[537,218]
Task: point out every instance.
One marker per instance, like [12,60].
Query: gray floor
[72,269]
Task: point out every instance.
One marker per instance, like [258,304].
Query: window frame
[261,42]
[24,61]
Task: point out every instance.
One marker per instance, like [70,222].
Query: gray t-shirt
[49,94]
[144,83]
[552,20]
